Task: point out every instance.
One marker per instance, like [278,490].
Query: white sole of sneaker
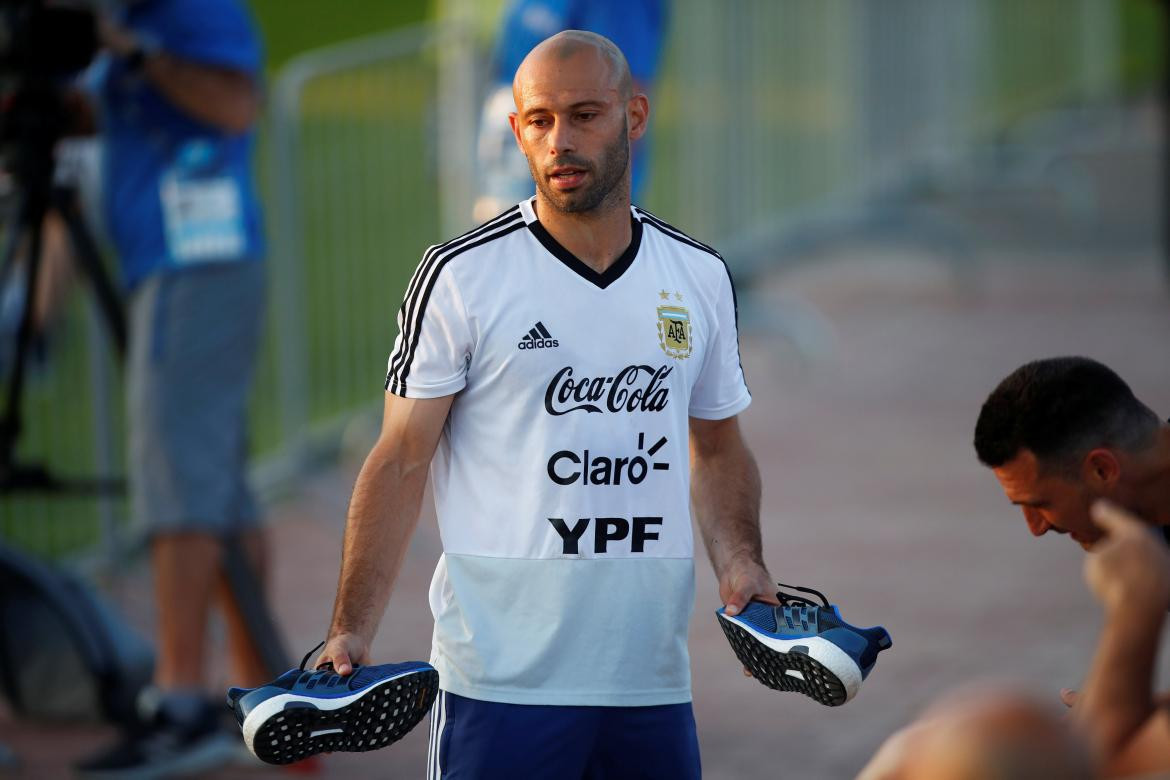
[268,709]
[786,667]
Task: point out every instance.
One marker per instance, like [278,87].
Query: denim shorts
[194,337]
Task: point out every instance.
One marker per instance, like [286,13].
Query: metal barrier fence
[371,142]
[770,116]
[773,116]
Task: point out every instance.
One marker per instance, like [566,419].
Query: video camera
[45,39]
[42,44]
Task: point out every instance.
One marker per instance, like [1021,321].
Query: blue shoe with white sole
[804,646]
[305,712]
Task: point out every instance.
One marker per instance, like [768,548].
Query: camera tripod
[36,200]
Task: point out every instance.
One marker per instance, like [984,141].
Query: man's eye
[539,123]
[586,115]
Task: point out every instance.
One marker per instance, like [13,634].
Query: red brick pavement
[872,493]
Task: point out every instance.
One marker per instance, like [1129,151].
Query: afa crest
[674,331]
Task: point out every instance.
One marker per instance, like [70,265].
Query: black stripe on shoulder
[407,313]
[494,222]
[678,235]
[397,384]
[498,219]
[670,230]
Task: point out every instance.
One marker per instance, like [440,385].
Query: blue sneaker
[304,712]
[804,646]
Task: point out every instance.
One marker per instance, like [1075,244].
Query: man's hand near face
[1128,570]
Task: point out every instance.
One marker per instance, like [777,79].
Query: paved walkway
[872,494]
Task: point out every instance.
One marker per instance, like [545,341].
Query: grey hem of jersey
[566,698]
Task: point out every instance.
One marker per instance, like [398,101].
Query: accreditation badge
[203,210]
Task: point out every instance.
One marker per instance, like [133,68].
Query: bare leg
[247,664]
[185,570]
[56,275]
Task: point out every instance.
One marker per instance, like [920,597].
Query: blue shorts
[488,741]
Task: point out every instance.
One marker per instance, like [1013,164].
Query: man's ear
[637,115]
[1101,468]
[514,121]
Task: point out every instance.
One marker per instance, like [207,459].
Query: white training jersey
[561,480]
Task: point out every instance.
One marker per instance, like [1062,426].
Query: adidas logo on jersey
[538,338]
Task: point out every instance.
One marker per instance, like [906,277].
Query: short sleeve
[720,391]
[434,344]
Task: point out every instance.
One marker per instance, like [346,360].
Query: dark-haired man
[1062,432]
[1059,434]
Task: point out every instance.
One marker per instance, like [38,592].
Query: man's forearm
[1117,697]
[226,99]
[382,516]
[725,492]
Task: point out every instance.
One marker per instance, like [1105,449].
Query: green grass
[290,27]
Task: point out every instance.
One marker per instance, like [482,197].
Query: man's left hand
[745,580]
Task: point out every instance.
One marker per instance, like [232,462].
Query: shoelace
[788,599]
[309,654]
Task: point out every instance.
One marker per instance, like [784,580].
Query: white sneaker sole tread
[791,669]
[291,727]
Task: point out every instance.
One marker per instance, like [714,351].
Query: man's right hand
[343,651]
[1130,567]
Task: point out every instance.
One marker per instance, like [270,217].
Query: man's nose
[561,139]
[1036,524]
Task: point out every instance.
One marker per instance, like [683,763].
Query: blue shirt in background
[637,27]
[178,192]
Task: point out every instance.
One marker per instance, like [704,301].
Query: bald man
[568,373]
[984,733]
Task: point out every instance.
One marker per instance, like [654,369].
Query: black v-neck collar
[575,264]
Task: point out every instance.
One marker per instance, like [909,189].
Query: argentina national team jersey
[561,480]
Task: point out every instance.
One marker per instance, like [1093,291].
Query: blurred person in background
[177,96]
[984,732]
[1060,433]
[637,27]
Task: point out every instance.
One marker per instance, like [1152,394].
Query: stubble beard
[609,180]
